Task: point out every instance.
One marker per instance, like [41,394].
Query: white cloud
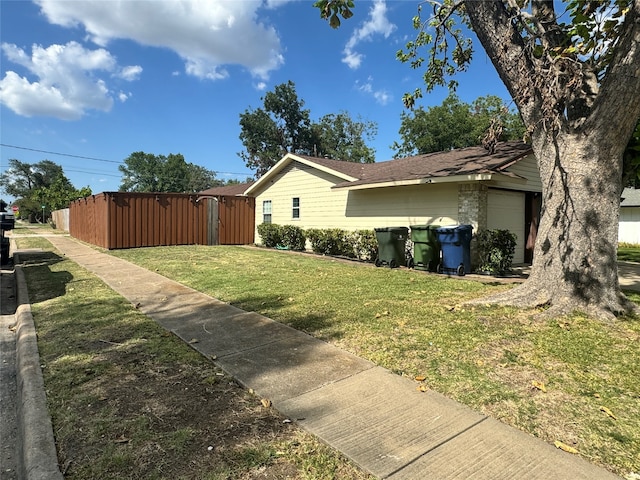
[376,24]
[67,84]
[130,73]
[208,35]
[381,96]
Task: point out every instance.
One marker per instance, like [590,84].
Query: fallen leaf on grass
[539,385]
[266,403]
[420,378]
[193,340]
[122,439]
[608,412]
[422,388]
[565,447]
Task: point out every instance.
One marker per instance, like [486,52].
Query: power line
[61,154]
[248,174]
[92,172]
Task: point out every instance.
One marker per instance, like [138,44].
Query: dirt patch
[131,415]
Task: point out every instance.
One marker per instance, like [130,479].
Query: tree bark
[579,157]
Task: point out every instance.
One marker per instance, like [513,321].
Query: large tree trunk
[579,126]
[575,258]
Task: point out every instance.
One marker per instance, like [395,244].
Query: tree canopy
[146,172]
[573,70]
[455,124]
[283,126]
[37,185]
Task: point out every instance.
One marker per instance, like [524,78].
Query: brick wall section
[472,210]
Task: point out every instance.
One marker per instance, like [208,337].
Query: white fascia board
[480,177]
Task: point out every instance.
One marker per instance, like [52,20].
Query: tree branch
[620,85]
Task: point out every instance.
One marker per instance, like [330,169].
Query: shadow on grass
[43,283]
[314,323]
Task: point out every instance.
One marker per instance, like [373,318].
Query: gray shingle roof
[463,161]
[231,190]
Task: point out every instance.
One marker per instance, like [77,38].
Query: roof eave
[476,177]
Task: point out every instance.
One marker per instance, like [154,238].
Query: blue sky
[104,79]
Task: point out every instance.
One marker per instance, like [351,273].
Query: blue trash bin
[455,243]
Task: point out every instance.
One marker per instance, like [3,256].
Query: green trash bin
[391,246]
[426,247]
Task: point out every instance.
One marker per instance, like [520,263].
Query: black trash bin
[455,243]
[4,250]
[426,247]
[391,246]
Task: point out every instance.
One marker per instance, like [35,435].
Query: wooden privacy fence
[60,219]
[127,220]
[235,217]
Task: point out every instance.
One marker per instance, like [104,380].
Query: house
[629,226]
[464,186]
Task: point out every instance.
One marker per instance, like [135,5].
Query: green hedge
[287,237]
[361,244]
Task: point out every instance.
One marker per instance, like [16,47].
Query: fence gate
[212,234]
[231,220]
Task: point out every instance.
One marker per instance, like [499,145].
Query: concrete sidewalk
[376,418]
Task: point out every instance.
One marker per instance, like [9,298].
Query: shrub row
[360,244]
[495,247]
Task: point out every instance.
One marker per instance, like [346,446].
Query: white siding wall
[322,207]
[505,211]
[629,227]
[528,169]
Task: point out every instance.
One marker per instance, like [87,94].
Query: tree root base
[559,303]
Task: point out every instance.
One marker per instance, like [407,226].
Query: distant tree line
[39,188]
[146,172]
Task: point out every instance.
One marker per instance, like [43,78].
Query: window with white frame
[266,211]
[295,211]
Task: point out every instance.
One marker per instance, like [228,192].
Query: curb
[37,456]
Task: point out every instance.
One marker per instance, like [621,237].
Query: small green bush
[365,244]
[293,237]
[332,241]
[270,234]
[496,249]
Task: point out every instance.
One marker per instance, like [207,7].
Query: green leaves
[332,10]
[449,51]
[284,126]
[146,172]
[453,124]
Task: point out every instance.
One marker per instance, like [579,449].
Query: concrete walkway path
[374,417]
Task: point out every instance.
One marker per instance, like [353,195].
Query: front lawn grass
[129,400]
[570,379]
[629,252]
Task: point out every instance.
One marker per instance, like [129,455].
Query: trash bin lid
[446,229]
[391,229]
